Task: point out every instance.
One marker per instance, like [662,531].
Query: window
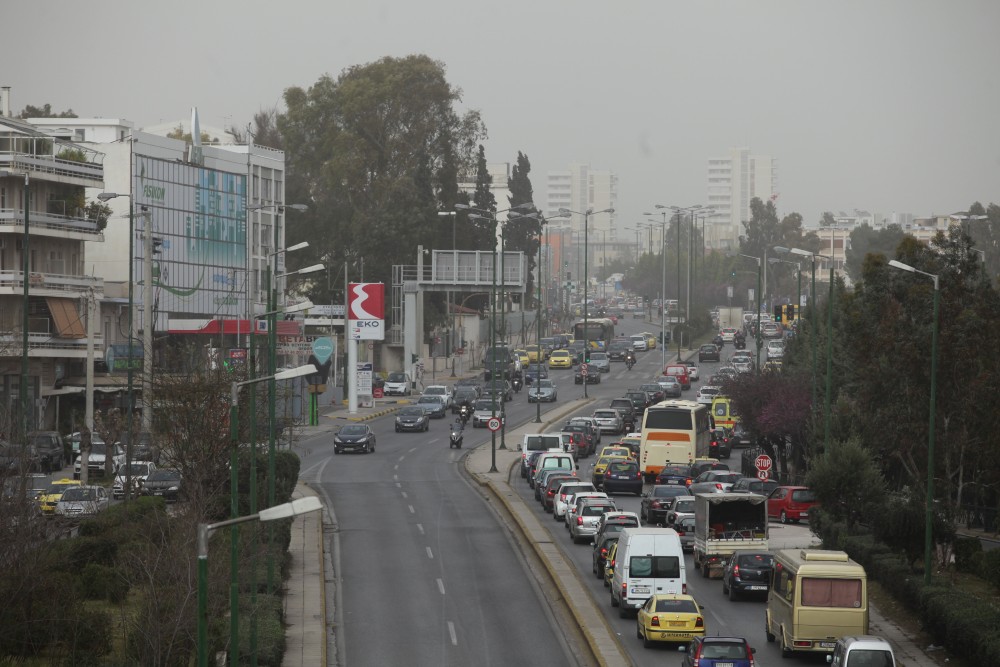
[655,566]
[720,410]
[842,593]
[669,419]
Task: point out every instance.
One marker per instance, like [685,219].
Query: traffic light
[733,274]
[789,312]
[778,313]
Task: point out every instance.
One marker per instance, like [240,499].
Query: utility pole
[147,329]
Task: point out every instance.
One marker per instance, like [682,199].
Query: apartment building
[733,181]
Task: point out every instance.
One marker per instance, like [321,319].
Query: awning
[62,391]
[67,317]
[235,327]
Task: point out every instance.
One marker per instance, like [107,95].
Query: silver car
[609,421]
[543,391]
[600,361]
[588,513]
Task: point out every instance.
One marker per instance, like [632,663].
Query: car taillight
[562,497]
[655,621]
[607,473]
[718,486]
[736,570]
[687,482]
[638,475]
[699,622]
[552,492]
[684,589]
[579,520]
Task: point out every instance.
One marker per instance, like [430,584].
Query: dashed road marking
[441,586]
[412,511]
[420,527]
[451,631]
[404,494]
[430,554]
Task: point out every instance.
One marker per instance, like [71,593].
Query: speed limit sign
[584,371]
[493,424]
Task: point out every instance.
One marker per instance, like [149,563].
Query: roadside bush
[966,549]
[100,582]
[270,630]
[101,549]
[990,567]
[89,636]
[961,622]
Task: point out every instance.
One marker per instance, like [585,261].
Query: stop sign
[762,463]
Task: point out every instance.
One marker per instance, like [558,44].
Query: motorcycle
[455,439]
[517,384]
[740,343]
[463,414]
[719,342]
[629,362]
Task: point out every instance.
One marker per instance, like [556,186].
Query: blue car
[719,651]
[535,372]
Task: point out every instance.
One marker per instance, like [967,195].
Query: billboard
[198,221]
[366,311]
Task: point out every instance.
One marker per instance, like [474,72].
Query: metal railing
[71,284]
[56,222]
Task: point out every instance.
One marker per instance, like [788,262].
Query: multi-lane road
[429,576]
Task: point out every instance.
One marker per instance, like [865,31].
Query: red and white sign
[763,463]
[763,474]
[366,311]
[493,424]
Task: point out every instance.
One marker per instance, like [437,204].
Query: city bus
[674,432]
[600,330]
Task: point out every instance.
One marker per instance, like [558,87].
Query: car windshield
[164,476]
[755,560]
[672,606]
[548,384]
[485,405]
[396,377]
[353,429]
[411,412]
[436,391]
[78,493]
[598,356]
[684,505]
[803,496]
[56,487]
[429,399]
[723,651]
[605,414]
[134,469]
[674,470]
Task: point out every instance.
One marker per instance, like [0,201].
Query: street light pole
[586,280]
[284,511]
[929,518]
[454,279]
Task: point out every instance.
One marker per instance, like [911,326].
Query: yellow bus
[674,432]
[816,597]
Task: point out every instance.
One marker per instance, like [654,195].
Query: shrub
[100,582]
[966,549]
[990,568]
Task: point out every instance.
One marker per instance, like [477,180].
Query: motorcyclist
[465,411]
[456,435]
[629,358]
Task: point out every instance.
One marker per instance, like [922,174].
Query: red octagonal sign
[763,462]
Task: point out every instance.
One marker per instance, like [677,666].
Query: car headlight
[337,440]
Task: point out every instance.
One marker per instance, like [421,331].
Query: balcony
[48,284]
[49,224]
[44,345]
[24,150]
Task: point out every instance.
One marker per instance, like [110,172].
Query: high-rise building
[732,182]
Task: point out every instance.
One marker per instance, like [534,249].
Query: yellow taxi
[650,340]
[522,356]
[50,496]
[669,618]
[533,353]
[560,359]
[616,450]
[597,475]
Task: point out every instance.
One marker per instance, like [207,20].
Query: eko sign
[366,311]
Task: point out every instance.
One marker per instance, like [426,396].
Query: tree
[827,220]
[523,232]
[44,111]
[847,482]
[865,240]
[179,133]
[263,131]
[375,153]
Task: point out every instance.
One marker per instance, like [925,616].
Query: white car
[397,384]
[439,390]
[80,501]
[137,471]
[775,349]
[566,498]
[707,393]
[639,343]
[728,334]
[95,462]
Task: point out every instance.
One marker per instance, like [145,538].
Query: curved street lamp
[929,519]
[586,279]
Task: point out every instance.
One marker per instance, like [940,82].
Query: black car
[623,476]
[654,391]
[617,350]
[502,389]
[163,483]
[535,371]
[50,447]
[22,458]
[412,418]
[763,487]
[628,412]
[593,374]
[747,573]
[354,437]
[600,555]
[653,507]
[469,394]
[640,401]
[675,475]
[709,352]
[701,466]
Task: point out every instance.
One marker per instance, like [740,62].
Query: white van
[649,561]
[537,442]
[553,461]
[864,650]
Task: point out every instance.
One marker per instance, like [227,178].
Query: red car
[679,371]
[790,503]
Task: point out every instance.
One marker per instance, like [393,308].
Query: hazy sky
[886,105]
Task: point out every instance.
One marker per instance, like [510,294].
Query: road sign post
[493,424]
[763,464]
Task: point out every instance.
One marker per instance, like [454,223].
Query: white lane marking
[430,554]
[412,449]
[399,485]
[412,511]
[401,458]
[395,477]
[404,494]
[441,586]
[451,631]
[433,440]
[420,527]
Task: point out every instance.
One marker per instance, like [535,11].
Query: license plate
[756,588]
[723,664]
[677,624]
[827,644]
[673,481]
[804,514]
[644,590]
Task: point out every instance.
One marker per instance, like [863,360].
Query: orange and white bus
[674,432]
